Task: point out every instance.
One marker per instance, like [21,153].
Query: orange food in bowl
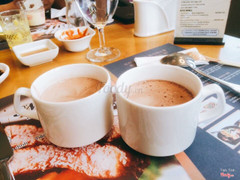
[75,39]
[71,34]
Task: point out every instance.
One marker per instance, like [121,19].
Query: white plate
[5,69]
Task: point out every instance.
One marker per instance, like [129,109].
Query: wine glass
[99,13]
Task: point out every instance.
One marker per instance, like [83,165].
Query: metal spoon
[180,59]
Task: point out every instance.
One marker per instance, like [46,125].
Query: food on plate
[230,134]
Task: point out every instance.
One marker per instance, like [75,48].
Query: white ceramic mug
[163,131]
[74,123]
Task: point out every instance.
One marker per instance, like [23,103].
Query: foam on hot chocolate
[71,89]
[159,93]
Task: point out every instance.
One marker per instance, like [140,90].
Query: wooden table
[117,35]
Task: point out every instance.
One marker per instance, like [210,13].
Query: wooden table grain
[117,35]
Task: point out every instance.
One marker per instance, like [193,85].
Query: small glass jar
[35,11]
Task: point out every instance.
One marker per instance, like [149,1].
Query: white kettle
[153,17]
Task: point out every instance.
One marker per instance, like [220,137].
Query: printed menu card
[201,21]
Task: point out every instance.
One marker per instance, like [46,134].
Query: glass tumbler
[35,11]
[15,27]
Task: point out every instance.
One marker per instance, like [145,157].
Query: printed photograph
[208,105]
[228,130]
[109,158]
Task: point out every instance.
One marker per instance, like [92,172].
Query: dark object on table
[124,12]
[233,25]
[202,41]
[3,45]
[6,152]
[1,72]
[237,123]
[48,14]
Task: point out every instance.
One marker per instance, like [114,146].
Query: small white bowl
[76,45]
[37,52]
[5,69]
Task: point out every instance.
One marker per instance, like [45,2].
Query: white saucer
[5,69]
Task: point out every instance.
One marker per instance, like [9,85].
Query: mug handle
[208,90]
[17,105]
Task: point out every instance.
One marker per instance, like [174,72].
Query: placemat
[109,158]
[216,149]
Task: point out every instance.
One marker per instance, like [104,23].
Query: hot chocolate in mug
[71,122]
[167,130]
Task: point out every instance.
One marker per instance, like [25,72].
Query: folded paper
[193,52]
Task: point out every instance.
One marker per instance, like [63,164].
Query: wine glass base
[103,54]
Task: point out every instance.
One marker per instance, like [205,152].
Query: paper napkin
[193,52]
[55,13]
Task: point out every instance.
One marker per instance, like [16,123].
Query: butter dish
[37,52]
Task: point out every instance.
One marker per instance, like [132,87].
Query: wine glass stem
[101,37]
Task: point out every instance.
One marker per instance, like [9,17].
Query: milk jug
[153,17]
